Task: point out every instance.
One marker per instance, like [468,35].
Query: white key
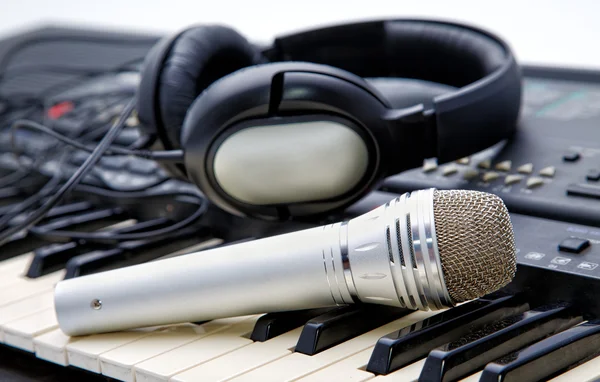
[586,372]
[297,365]
[25,307]
[242,360]
[345,370]
[161,367]
[85,353]
[408,373]
[473,377]
[24,287]
[20,333]
[51,346]
[13,268]
[118,363]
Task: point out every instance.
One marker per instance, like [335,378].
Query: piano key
[340,325]
[54,257]
[54,344]
[131,253]
[26,307]
[241,360]
[405,346]
[162,367]
[345,370]
[548,357]
[472,378]
[20,366]
[408,373]
[86,221]
[12,269]
[85,352]
[20,333]
[20,243]
[297,365]
[118,363]
[586,372]
[470,353]
[273,324]
[36,237]
[22,288]
[51,346]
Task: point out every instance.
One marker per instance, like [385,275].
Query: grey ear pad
[405,92]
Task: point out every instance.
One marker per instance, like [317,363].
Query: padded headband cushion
[433,51]
[197,58]
[443,53]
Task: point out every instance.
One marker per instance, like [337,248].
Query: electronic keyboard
[545,325]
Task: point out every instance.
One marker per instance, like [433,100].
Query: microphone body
[387,256]
[285,272]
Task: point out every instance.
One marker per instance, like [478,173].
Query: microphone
[426,250]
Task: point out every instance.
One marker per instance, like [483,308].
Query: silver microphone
[424,250]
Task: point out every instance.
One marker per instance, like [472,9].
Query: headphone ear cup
[178,69]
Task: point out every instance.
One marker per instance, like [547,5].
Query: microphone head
[475,242]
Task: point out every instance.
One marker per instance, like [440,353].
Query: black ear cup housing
[280,95]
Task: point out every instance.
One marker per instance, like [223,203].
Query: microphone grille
[475,242]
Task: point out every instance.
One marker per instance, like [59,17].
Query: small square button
[573,245]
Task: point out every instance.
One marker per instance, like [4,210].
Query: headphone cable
[162,156]
[75,179]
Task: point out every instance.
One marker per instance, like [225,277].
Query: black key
[549,357]
[54,257]
[27,241]
[472,352]
[407,345]
[20,243]
[342,324]
[273,324]
[87,221]
[132,252]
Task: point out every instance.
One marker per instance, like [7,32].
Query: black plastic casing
[283,93]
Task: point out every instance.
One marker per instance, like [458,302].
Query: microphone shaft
[250,278]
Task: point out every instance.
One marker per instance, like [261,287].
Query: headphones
[312,123]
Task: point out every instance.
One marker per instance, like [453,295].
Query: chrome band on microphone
[398,259]
[346,262]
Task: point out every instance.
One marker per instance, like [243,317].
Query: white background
[550,32]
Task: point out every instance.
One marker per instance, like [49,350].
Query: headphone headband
[483,111]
